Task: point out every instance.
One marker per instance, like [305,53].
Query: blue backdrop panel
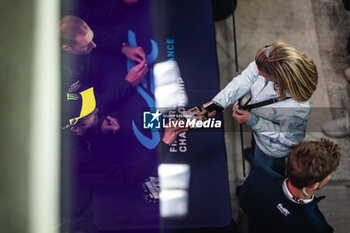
[188,25]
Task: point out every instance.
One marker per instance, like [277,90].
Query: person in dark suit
[275,203]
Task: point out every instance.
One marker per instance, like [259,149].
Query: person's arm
[94,167]
[91,165]
[290,127]
[170,135]
[238,87]
[116,39]
[79,160]
[111,99]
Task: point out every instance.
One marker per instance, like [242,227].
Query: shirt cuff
[253,120]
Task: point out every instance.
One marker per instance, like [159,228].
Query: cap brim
[88,102]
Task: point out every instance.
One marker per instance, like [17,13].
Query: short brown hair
[291,69]
[70,27]
[311,162]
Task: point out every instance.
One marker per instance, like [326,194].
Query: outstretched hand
[135,54]
[110,124]
[171,133]
[204,111]
[137,73]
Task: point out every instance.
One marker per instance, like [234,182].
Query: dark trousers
[262,159]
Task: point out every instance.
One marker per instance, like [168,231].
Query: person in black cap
[82,163]
[275,203]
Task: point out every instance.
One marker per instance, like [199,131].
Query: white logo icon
[151,120]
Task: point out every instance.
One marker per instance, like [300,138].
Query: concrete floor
[320,29]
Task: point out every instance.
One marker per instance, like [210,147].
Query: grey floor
[320,29]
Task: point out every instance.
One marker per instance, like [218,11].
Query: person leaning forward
[77,44]
[83,165]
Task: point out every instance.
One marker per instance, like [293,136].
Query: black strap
[260,104]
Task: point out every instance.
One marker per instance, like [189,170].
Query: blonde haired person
[282,73]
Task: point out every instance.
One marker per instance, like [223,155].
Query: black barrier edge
[239,101]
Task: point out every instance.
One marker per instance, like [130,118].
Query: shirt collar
[290,196]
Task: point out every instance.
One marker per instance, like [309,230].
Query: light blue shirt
[278,126]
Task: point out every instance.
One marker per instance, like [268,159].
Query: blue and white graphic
[146,90]
[151,120]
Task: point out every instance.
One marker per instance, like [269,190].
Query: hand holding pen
[110,124]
